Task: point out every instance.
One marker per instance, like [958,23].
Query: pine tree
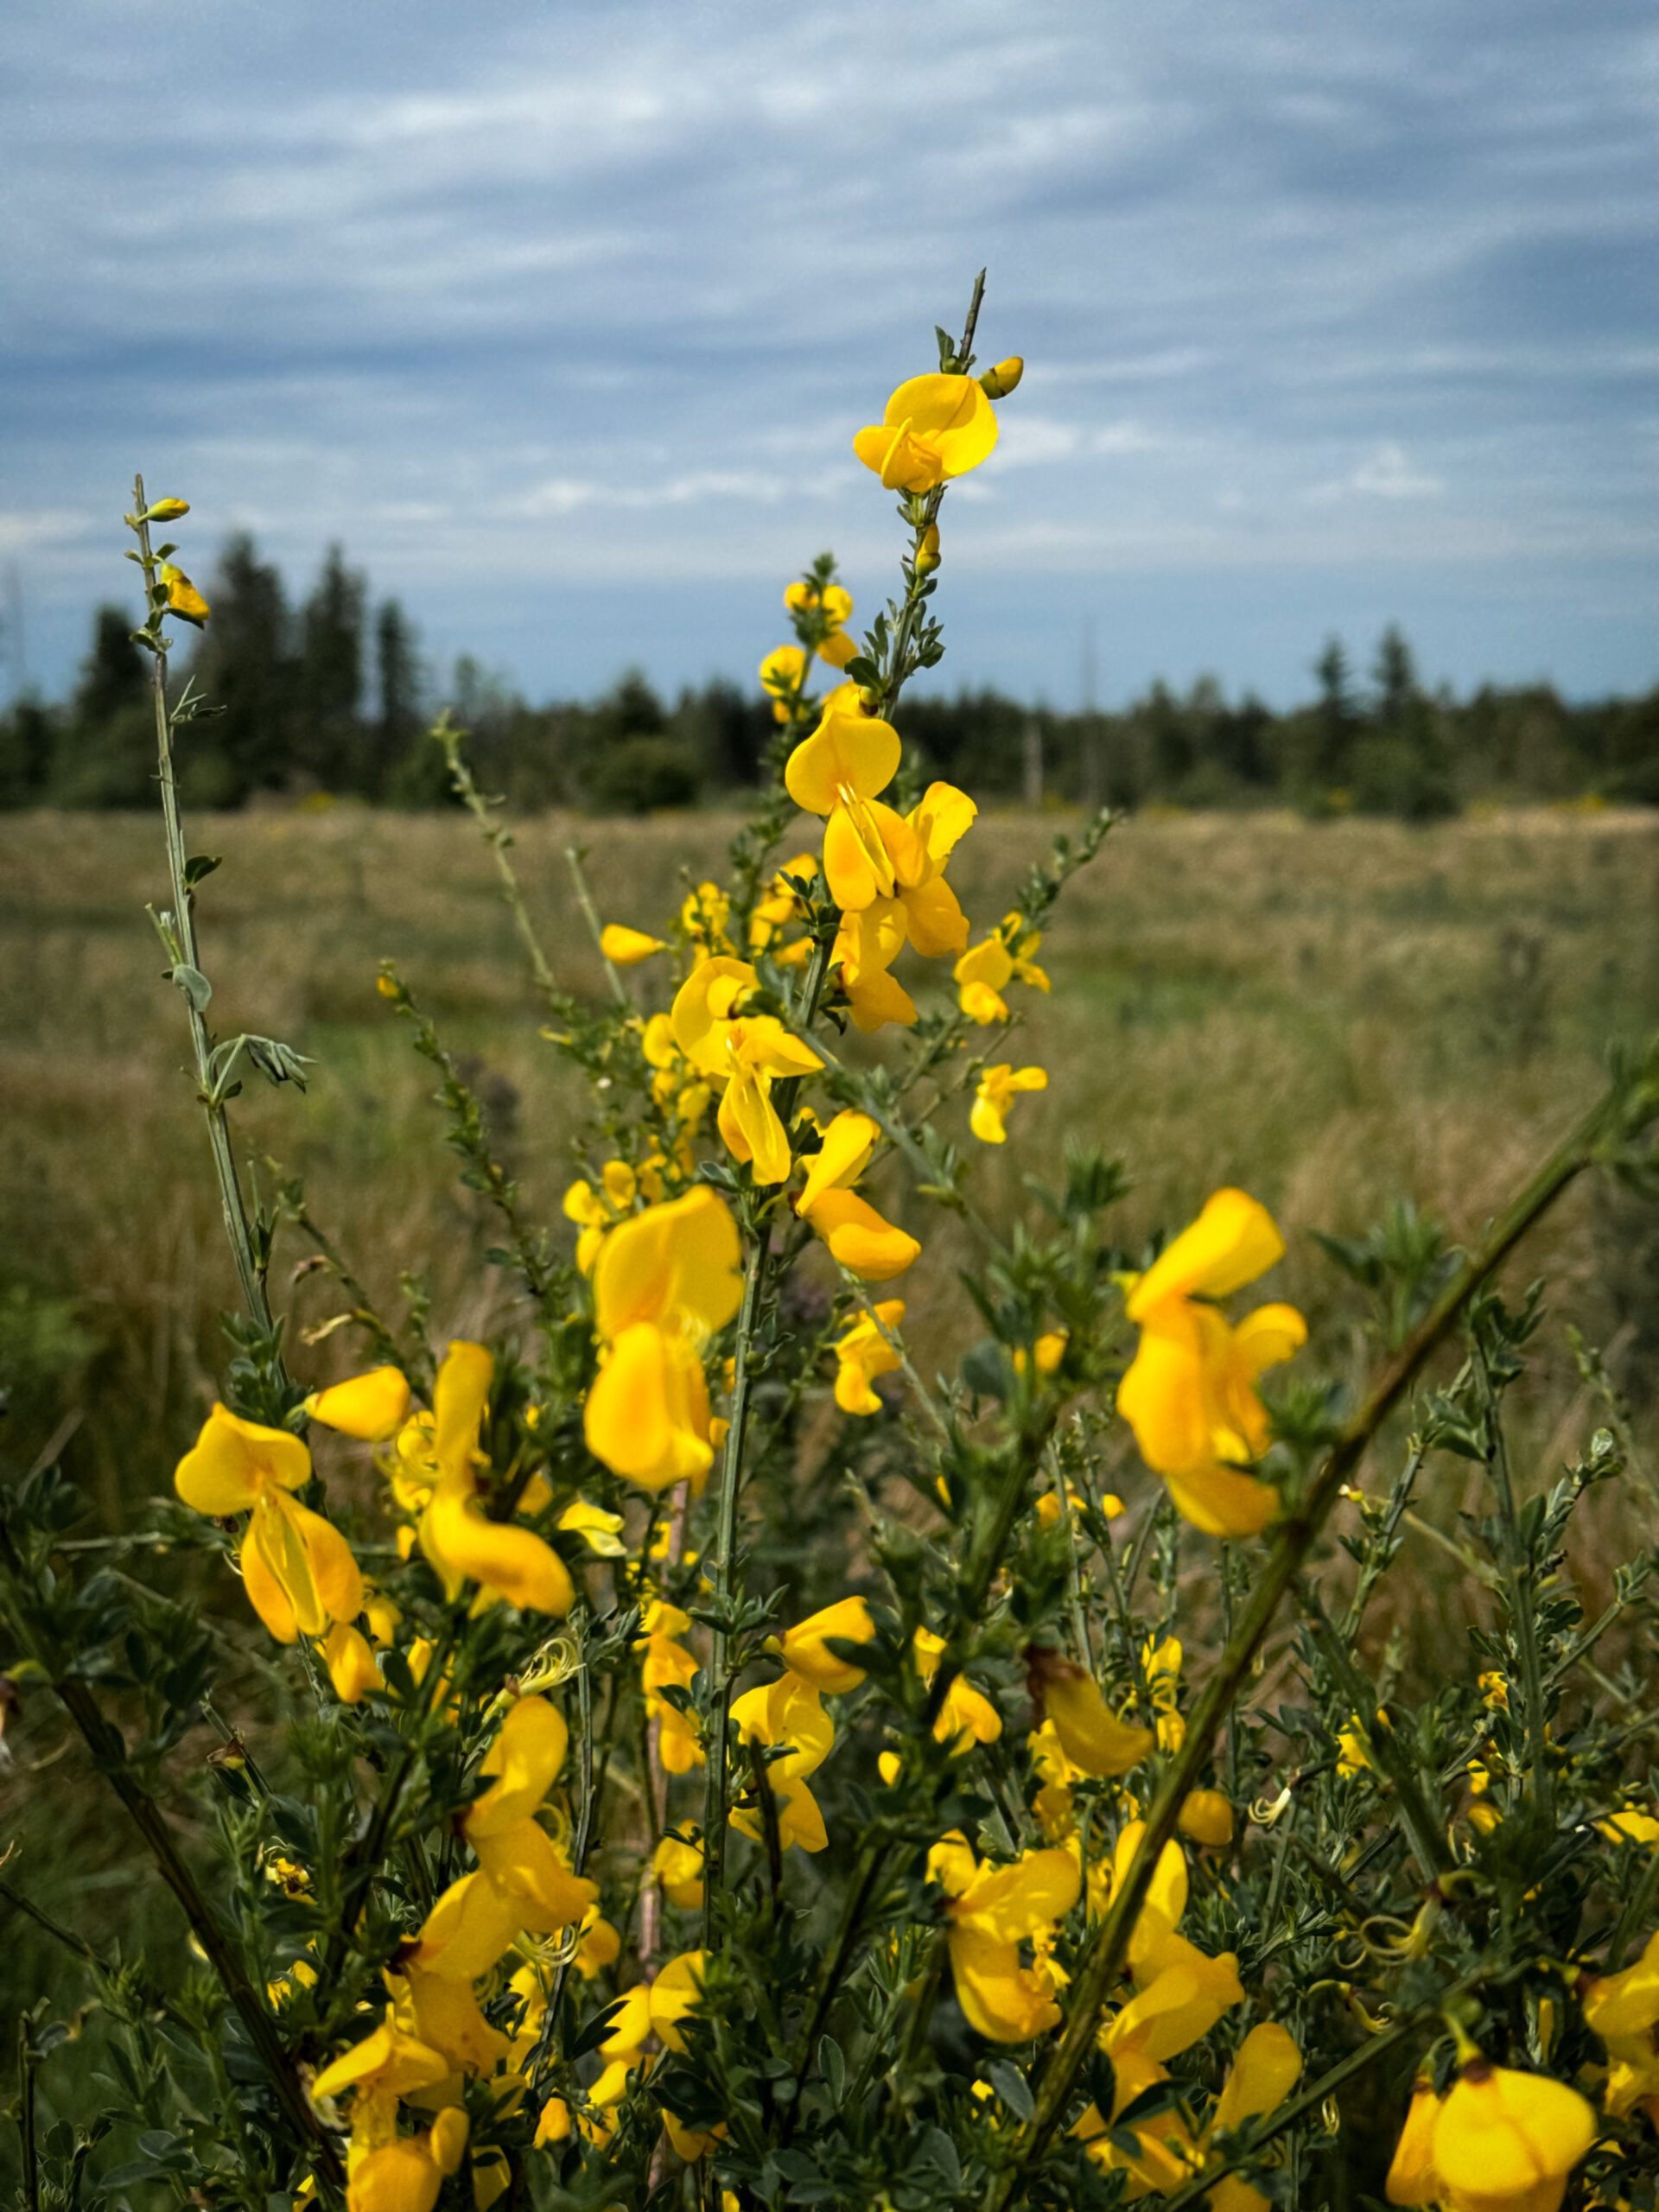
[244,665]
[108,754]
[330,677]
[391,737]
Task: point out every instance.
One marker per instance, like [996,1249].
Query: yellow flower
[703,915]
[745,1053]
[1091,1735]
[1190,1394]
[676,1866]
[933,428]
[967,1717]
[781,905]
[985,970]
[863,1353]
[1161,1664]
[520,1765]
[351,1662]
[860,1239]
[835,605]
[841,1158]
[456,1535]
[668,1664]
[182,597]
[805,1650]
[296,1567]
[167,510]
[387,2062]
[600,1531]
[995,1096]
[370,1406]
[992,1909]
[782,672]
[1498,2141]
[1623,2010]
[1165,2155]
[624,947]
[663,1282]
[872,856]
[788,1712]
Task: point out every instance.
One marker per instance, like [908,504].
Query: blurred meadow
[1332,1014]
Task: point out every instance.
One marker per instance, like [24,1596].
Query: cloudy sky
[561,317]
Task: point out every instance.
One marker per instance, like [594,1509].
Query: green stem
[1631,1103]
[1518,1574]
[249,1272]
[584,900]
[500,840]
[26,2103]
[109,1752]
[1428,1846]
[715,1793]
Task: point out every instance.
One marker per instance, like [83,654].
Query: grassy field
[1330,1015]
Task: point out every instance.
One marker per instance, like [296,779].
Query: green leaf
[200,867]
[1011,2086]
[194,985]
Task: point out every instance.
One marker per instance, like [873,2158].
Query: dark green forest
[331,694]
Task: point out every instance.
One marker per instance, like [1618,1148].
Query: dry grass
[1330,1015]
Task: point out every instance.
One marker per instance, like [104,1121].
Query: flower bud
[998,383]
[167,510]
[927,553]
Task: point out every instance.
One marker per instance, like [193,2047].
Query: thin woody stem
[250,1276]
[109,1752]
[715,1797]
[500,840]
[1629,1105]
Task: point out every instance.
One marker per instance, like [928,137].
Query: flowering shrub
[735,1771]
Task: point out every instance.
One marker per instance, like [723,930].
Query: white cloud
[1386,473]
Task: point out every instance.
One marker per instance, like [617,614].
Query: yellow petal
[860,1239]
[232,1460]
[848,1143]
[521,1862]
[676,1259]
[805,1650]
[1412,2178]
[1091,1735]
[458,1397]
[402,2175]
[461,1542]
[467,1931]
[351,1663]
[847,751]
[646,1417]
[370,1406]
[624,947]
[1232,1242]
[952,412]
[524,1761]
[1267,2069]
[1500,2134]
[676,1991]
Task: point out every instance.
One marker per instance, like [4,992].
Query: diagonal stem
[1629,1105]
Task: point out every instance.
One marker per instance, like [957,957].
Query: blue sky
[562,317]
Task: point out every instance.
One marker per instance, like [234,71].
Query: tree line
[332,694]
